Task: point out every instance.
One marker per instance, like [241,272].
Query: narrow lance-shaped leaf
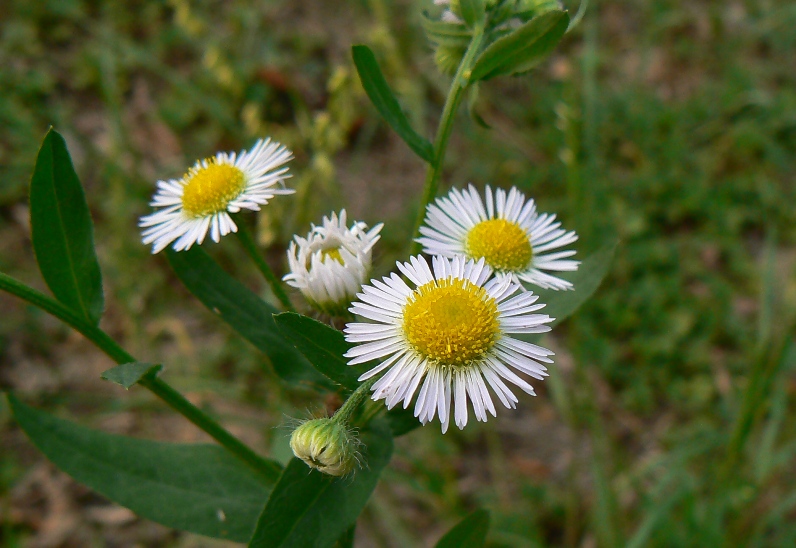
[586,279]
[447,34]
[473,12]
[62,232]
[385,102]
[468,533]
[129,374]
[192,487]
[472,101]
[322,345]
[308,508]
[562,304]
[523,48]
[244,311]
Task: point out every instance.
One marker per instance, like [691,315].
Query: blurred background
[668,419]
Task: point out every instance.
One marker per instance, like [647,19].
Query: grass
[669,125]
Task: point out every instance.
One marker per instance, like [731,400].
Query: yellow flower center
[334,253]
[210,189]
[451,321]
[504,245]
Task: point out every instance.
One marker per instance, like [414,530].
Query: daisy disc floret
[507,232]
[330,265]
[202,200]
[447,338]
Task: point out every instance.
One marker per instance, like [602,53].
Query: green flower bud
[325,445]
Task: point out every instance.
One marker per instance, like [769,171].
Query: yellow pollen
[503,245]
[210,189]
[452,321]
[334,253]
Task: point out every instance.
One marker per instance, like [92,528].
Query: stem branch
[169,395]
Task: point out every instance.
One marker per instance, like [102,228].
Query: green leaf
[129,374]
[244,311]
[446,34]
[62,232]
[473,12]
[468,533]
[196,488]
[472,101]
[324,348]
[401,421]
[310,509]
[322,345]
[385,102]
[522,49]
[590,273]
[347,540]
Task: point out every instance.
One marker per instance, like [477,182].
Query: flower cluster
[446,334]
[450,35]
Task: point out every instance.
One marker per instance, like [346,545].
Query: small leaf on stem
[385,102]
[129,374]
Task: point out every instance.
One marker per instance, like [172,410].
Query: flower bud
[325,445]
[330,265]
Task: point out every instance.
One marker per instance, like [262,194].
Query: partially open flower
[330,265]
[327,446]
[203,198]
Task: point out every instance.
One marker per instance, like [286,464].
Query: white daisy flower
[330,265]
[452,333]
[212,189]
[508,234]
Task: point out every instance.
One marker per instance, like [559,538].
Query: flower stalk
[455,94]
[248,243]
[346,412]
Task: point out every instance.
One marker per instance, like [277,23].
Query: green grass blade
[62,231]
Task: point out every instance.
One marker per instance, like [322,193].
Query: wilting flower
[326,445]
[508,234]
[203,198]
[330,265]
[449,336]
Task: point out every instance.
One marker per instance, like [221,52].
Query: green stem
[344,414]
[250,246]
[174,399]
[452,102]
[268,469]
